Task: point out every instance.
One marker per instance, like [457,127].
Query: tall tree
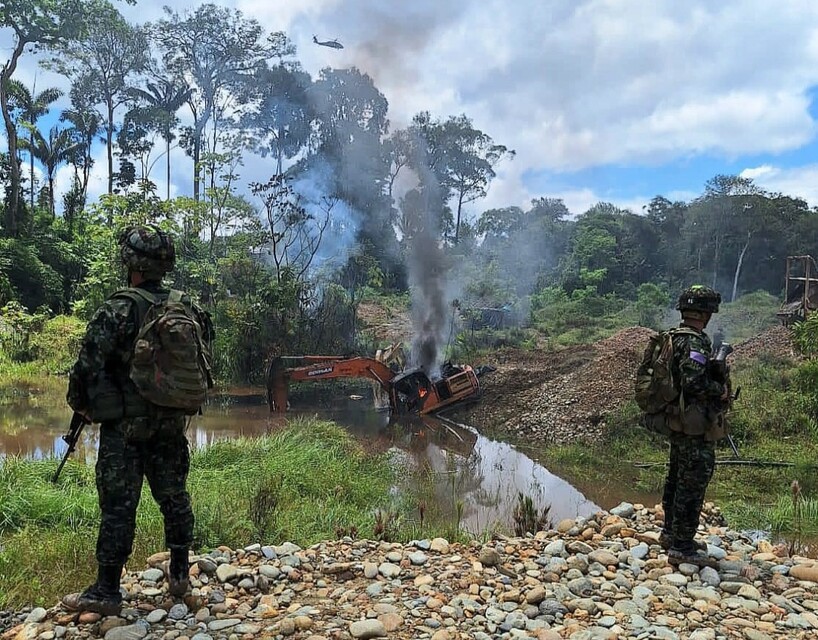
[102,65]
[282,115]
[85,122]
[216,49]
[471,158]
[158,102]
[51,152]
[32,106]
[350,124]
[461,158]
[718,215]
[33,22]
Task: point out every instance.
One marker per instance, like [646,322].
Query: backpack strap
[143,300]
[681,331]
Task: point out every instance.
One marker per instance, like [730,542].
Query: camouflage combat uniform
[696,427]
[144,442]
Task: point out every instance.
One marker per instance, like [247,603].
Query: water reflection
[484,474]
[487,476]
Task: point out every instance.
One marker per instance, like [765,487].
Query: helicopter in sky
[333,44]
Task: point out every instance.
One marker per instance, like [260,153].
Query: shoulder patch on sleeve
[698,357]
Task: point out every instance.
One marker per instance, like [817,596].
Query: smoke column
[427,274]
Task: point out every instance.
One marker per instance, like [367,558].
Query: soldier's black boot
[666,542]
[102,597]
[688,554]
[178,572]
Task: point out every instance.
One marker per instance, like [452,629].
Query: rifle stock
[78,421]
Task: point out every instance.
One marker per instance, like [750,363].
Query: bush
[748,316]
[37,284]
[18,329]
[581,316]
[57,345]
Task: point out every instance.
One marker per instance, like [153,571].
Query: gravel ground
[602,577]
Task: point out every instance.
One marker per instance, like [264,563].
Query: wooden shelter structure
[800,290]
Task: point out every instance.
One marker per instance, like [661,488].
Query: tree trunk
[197,152]
[167,153]
[109,140]
[31,166]
[457,223]
[716,256]
[86,168]
[51,194]
[738,267]
[12,215]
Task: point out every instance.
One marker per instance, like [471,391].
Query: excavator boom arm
[321,368]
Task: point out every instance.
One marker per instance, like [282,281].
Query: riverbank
[774,420]
[603,577]
[304,483]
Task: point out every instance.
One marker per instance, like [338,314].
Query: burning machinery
[411,391]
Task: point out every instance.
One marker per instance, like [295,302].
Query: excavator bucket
[277,385]
[393,357]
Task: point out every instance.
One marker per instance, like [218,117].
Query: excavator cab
[411,390]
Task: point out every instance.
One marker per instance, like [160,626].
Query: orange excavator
[411,391]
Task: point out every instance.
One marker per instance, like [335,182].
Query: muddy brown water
[485,475]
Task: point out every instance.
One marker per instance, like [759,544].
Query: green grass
[15,374]
[302,484]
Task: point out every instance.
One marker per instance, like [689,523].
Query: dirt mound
[776,342]
[560,396]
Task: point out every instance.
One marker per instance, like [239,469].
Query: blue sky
[614,100]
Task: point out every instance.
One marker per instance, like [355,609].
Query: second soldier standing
[696,423]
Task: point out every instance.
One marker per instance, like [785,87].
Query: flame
[422,393]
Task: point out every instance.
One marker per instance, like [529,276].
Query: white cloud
[568,84]
[763,172]
[797,182]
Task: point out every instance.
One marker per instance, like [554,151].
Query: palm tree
[86,124]
[59,147]
[31,107]
[160,102]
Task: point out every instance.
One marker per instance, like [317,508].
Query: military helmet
[147,249]
[699,298]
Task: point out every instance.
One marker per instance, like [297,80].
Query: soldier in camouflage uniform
[137,438]
[696,423]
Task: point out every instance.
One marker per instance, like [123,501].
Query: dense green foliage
[282,264]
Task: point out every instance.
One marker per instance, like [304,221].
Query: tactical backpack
[170,363]
[656,389]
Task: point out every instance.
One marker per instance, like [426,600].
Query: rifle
[720,362]
[78,421]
